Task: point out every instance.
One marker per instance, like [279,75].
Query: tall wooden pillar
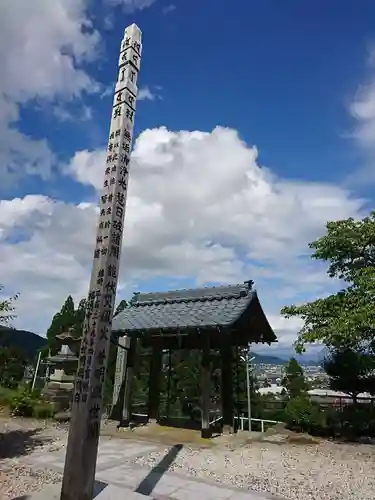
[120,377]
[227,386]
[126,409]
[206,390]
[154,384]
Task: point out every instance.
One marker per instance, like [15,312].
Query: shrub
[357,420]
[268,407]
[30,404]
[303,415]
[44,410]
[333,422]
[6,395]
[22,404]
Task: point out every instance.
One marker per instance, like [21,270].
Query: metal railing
[215,420]
[261,420]
[242,420]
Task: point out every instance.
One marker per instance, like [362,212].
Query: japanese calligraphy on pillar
[103,284]
[101,298]
[82,447]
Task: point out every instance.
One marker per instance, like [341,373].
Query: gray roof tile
[180,309]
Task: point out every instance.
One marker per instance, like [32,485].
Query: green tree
[294,380]
[67,318]
[7,309]
[300,412]
[351,370]
[347,317]
[70,318]
[12,366]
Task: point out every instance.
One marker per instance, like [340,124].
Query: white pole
[248,389]
[46,379]
[36,371]
[248,361]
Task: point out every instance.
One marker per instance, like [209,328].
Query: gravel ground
[323,471]
[18,480]
[18,438]
[326,471]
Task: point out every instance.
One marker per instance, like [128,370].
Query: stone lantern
[60,384]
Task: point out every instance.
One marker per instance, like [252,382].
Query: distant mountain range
[267,360]
[28,342]
[274,360]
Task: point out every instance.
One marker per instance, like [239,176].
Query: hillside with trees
[30,343]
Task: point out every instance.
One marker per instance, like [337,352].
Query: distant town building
[273,389]
[319,395]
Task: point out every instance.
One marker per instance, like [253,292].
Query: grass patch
[23,403]
[6,396]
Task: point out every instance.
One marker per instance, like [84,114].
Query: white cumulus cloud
[43,45]
[146,94]
[362,110]
[200,206]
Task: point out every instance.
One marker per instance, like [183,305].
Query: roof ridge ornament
[249,284]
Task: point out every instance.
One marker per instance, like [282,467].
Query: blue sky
[281,73]
[254,124]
